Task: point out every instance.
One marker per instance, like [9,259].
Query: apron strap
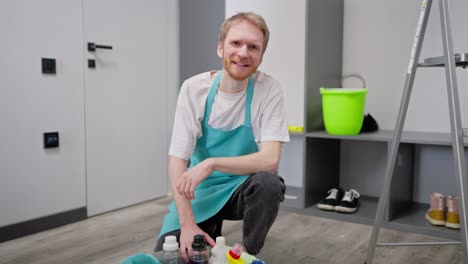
[212,93]
[248,103]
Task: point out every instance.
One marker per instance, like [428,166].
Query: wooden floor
[294,238]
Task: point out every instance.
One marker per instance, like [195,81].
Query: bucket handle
[349,75]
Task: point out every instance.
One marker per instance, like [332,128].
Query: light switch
[48,66]
[91,63]
[51,139]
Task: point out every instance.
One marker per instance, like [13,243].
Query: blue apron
[213,193]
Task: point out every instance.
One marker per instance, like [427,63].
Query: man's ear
[220,49]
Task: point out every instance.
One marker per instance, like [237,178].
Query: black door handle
[93,46]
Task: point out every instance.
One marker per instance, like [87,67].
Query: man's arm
[188,226]
[267,159]
[177,167]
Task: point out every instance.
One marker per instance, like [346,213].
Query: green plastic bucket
[343,110]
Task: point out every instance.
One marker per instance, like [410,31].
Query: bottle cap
[170,243]
[236,251]
[257,261]
[220,241]
[198,243]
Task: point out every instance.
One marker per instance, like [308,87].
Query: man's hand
[191,178]
[186,239]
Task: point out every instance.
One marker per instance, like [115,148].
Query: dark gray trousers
[256,201]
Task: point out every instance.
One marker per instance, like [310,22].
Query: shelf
[412,219]
[364,215]
[427,138]
[381,135]
[461,60]
[297,134]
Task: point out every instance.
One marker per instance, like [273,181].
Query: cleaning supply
[343,110]
[170,253]
[247,258]
[218,252]
[141,258]
[234,254]
[295,129]
[199,254]
[257,261]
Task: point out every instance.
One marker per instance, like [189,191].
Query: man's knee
[270,184]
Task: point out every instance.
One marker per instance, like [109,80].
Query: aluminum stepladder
[449,61]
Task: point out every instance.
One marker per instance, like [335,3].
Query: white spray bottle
[218,252]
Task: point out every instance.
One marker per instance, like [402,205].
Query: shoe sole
[453,226]
[326,207]
[342,209]
[435,222]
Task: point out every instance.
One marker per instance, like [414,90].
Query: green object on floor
[343,110]
[141,258]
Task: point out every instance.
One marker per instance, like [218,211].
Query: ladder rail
[414,58]
[455,120]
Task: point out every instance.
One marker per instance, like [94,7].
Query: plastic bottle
[218,252]
[170,253]
[247,258]
[234,254]
[199,254]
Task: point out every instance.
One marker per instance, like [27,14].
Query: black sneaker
[349,203]
[329,203]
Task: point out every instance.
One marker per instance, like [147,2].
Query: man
[230,125]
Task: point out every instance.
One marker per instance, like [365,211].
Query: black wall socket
[91,64]
[48,66]
[51,139]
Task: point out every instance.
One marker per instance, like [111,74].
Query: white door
[126,101]
[37,182]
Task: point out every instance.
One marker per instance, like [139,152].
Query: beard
[238,76]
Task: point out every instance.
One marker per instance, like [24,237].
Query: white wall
[285,55]
[173,67]
[35,182]
[378,36]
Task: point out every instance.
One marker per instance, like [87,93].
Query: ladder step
[447,243]
[461,60]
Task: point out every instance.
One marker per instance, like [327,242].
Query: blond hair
[251,17]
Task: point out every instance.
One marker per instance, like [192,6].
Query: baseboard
[41,224]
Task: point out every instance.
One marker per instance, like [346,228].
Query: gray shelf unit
[359,162]
[323,68]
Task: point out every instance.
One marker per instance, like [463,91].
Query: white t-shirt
[267,112]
